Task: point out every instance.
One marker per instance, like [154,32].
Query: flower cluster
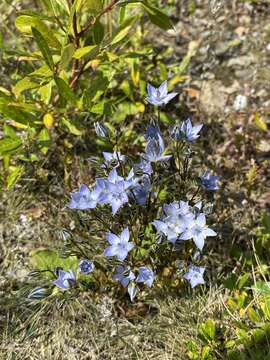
[132,190]
[182,222]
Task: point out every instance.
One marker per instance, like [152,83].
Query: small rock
[240,102]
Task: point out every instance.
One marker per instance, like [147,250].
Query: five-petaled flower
[86,266]
[114,158]
[120,245]
[159,96]
[189,132]
[65,279]
[124,275]
[209,182]
[146,276]
[85,199]
[198,231]
[195,275]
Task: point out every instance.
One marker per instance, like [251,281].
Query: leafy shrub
[74,58]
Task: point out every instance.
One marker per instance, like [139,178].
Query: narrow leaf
[43,47]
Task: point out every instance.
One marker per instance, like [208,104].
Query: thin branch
[93,20]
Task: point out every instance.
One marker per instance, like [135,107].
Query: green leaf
[120,35]
[242,280]
[263,288]
[98,32]
[71,127]
[208,329]
[25,23]
[157,17]
[9,131]
[66,56]
[63,4]
[92,6]
[46,259]
[44,140]
[24,84]
[10,111]
[43,72]
[14,176]
[98,108]
[43,47]
[206,353]
[65,91]
[123,30]
[91,49]
[9,145]
[46,92]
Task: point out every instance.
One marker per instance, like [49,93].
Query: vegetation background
[217,56]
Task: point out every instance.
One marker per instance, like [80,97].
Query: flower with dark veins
[159,96]
[65,280]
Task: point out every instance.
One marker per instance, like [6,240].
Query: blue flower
[120,245]
[155,150]
[101,130]
[143,168]
[84,198]
[113,158]
[146,276]
[152,132]
[141,191]
[198,231]
[159,96]
[124,275]
[177,219]
[190,132]
[86,266]
[209,182]
[65,279]
[195,275]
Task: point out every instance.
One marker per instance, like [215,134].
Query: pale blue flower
[198,231]
[141,191]
[146,276]
[209,182]
[85,199]
[143,168]
[65,280]
[195,275]
[86,266]
[152,132]
[178,218]
[113,158]
[159,96]
[120,245]
[101,130]
[124,275]
[155,150]
[190,132]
